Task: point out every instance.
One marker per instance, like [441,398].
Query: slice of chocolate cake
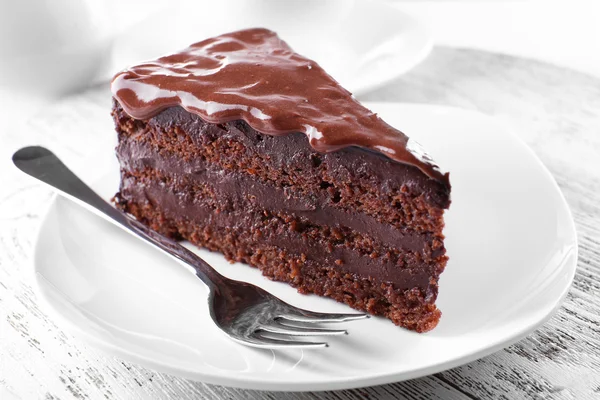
[242,146]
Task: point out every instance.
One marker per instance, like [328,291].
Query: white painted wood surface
[556,111]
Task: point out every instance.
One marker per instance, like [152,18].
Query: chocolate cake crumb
[236,146]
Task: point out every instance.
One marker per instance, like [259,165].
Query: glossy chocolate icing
[255,76]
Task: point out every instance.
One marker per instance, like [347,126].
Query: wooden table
[556,111]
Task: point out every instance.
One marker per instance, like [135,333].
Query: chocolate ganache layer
[254,76]
[174,203]
[243,190]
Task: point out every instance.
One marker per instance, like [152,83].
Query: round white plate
[510,238]
[363,44]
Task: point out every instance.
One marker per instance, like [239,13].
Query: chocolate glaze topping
[255,76]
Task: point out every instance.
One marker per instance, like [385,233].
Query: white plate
[363,44]
[510,238]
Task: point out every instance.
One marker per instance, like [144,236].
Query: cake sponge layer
[351,179]
[352,225]
[412,308]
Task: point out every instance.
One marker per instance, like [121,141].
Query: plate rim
[242,381]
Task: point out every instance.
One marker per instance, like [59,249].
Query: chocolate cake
[242,146]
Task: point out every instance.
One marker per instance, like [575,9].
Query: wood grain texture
[556,111]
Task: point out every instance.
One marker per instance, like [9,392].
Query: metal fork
[244,312]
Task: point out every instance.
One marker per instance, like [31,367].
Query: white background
[565,33]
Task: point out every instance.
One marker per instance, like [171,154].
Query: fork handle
[45,166]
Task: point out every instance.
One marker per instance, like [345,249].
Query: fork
[244,312]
